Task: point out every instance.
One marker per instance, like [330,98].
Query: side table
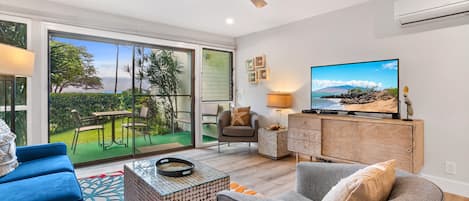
[273,143]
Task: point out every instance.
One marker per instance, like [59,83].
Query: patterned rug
[103,187]
[110,187]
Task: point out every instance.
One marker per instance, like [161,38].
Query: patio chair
[209,110]
[141,122]
[83,124]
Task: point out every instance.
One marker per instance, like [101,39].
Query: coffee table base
[135,189]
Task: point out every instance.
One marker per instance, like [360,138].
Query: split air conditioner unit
[417,11]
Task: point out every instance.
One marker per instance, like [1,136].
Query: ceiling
[210,15]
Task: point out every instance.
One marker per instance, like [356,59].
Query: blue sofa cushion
[39,167]
[53,187]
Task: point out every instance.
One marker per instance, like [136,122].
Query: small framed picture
[252,77]
[263,74]
[259,61]
[250,64]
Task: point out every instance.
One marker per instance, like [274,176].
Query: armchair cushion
[238,131]
[39,167]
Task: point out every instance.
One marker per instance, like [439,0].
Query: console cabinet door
[368,143]
[340,139]
[380,142]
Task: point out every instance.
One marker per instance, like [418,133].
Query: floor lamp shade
[279,100]
[16,61]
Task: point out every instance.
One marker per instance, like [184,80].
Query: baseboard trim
[449,185]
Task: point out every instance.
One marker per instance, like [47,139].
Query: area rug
[110,187]
[103,187]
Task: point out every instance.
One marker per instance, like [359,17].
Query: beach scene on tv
[359,87]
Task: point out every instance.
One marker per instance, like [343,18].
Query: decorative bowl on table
[174,167]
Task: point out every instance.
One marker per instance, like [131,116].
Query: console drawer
[304,123]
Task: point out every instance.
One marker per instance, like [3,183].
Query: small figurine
[408,102]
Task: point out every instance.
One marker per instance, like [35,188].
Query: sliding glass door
[113,98]
[163,96]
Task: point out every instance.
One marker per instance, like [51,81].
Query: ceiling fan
[259,3]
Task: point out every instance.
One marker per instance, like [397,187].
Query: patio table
[113,115]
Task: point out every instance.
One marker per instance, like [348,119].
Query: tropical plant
[162,73]
[140,68]
[13,33]
[71,66]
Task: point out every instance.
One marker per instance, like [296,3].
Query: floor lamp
[13,61]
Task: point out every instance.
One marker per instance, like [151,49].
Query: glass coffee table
[142,182]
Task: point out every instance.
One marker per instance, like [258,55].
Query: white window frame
[46,27]
[26,107]
[199,102]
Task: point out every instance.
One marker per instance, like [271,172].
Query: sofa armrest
[314,180]
[411,187]
[234,196]
[28,153]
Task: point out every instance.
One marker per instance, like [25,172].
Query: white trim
[449,185]
[27,107]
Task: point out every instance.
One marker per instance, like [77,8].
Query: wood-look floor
[264,175]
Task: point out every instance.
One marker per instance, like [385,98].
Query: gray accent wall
[434,63]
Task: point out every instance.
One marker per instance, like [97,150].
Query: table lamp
[13,61]
[278,100]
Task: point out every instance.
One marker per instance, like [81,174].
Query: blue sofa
[45,173]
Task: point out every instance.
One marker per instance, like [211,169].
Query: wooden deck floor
[267,177]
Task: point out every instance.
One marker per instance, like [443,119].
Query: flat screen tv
[371,87]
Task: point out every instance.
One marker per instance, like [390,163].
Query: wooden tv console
[352,139]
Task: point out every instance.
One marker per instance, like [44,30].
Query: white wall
[434,64]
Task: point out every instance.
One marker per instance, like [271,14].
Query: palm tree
[162,72]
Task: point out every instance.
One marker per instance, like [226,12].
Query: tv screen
[356,87]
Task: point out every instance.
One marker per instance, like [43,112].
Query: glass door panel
[89,91]
[164,89]
[217,90]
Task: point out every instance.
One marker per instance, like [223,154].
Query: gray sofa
[228,133]
[314,180]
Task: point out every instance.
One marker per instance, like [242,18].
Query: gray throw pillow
[8,161]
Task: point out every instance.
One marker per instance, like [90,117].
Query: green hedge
[61,106]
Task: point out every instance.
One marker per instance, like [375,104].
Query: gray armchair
[314,180]
[228,133]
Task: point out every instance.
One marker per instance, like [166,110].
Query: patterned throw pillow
[240,116]
[8,161]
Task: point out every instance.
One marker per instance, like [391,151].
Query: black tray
[181,167]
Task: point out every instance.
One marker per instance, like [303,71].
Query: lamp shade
[16,61]
[279,100]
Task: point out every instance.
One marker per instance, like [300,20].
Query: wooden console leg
[297,157]
[311,158]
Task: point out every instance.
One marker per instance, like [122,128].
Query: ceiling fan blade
[259,3]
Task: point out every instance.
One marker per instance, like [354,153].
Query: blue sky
[104,56]
[380,74]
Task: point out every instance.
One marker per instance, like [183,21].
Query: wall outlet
[450,167]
